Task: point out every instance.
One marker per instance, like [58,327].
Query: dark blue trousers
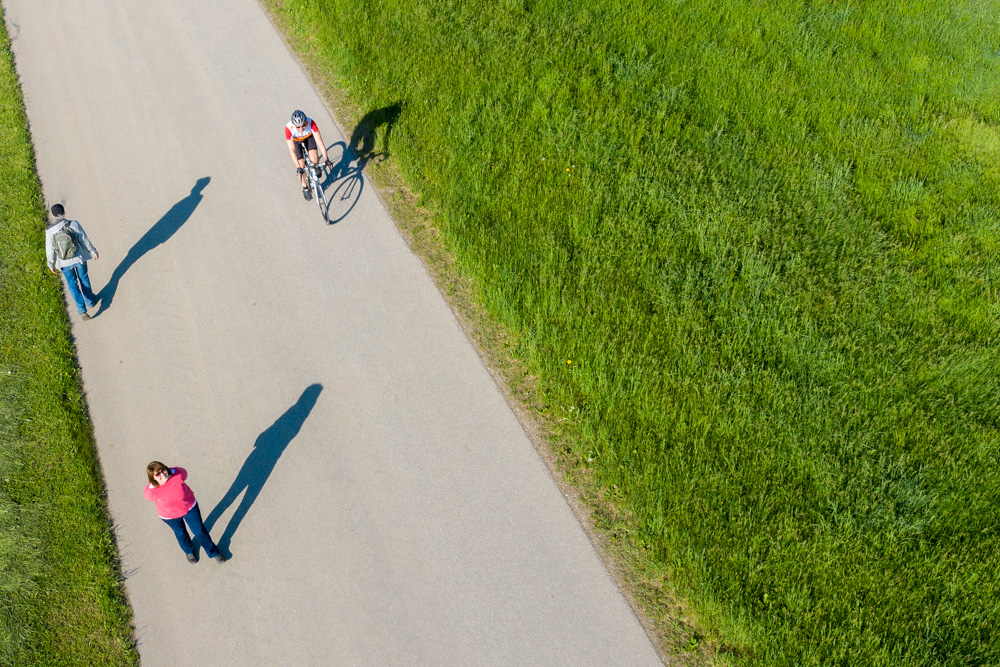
[197,526]
[83,296]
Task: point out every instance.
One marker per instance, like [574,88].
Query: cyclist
[301,135]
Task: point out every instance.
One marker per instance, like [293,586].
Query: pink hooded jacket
[173,498]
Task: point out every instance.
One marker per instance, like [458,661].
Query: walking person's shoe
[84,316]
[192,558]
[219,558]
[307,193]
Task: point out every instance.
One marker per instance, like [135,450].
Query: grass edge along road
[667,618]
[61,595]
[747,252]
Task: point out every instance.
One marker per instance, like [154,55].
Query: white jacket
[84,249]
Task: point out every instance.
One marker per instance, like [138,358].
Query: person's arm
[78,228]
[320,142]
[147,493]
[293,152]
[50,253]
[291,147]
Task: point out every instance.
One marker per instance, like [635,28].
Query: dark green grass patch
[750,250]
[61,600]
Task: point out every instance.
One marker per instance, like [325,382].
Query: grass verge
[61,598]
[743,261]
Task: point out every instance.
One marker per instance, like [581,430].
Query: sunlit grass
[766,236]
[61,601]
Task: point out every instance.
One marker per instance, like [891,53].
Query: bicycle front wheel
[320,199]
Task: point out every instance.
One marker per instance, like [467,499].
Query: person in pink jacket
[175,503]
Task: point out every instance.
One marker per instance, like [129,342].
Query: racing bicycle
[316,174]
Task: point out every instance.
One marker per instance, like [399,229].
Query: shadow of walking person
[257,468]
[365,135]
[159,233]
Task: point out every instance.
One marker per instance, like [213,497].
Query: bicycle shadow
[158,234]
[257,468]
[347,177]
[347,180]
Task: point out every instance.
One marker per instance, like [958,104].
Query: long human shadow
[267,449]
[159,233]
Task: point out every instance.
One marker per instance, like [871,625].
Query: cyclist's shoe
[307,193]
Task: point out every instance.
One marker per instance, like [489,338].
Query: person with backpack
[67,249]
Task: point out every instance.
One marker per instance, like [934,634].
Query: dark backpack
[65,242]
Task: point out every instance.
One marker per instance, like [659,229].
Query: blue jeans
[194,522]
[82,295]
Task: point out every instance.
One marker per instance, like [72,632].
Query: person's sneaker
[84,316]
[220,558]
[192,558]
[307,193]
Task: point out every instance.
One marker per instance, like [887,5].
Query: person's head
[157,473]
[298,119]
[57,211]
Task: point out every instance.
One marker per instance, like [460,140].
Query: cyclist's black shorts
[307,145]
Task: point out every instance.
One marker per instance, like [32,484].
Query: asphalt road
[381,502]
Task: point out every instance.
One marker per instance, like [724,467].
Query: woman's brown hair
[153,468]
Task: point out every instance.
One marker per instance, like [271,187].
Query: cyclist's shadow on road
[159,233]
[257,468]
[346,177]
[344,185]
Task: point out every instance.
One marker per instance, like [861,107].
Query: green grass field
[61,601]
[750,250]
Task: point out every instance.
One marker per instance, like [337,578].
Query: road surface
[381,502]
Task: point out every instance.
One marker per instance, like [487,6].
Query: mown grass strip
[749,250]
[61,598]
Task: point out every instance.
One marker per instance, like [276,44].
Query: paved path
[381,502]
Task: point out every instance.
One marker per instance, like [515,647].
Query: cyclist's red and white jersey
[300,133]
